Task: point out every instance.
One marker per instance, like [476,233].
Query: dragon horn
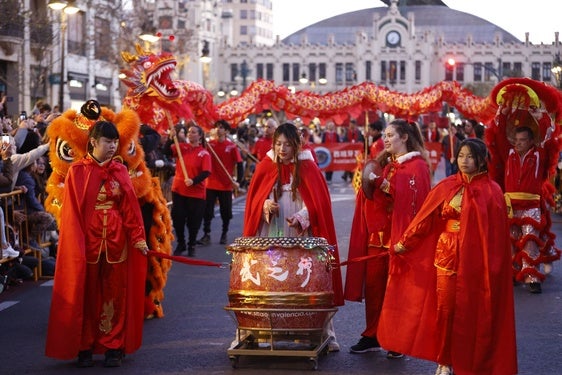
[127,57]
[140,50]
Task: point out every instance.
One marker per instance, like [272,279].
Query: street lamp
[206,61]
[66,7]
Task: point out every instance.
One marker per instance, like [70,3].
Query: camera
[23,115]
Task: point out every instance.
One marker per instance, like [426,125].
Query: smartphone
[23,115]
[5,139]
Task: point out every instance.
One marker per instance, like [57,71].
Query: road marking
[7,304]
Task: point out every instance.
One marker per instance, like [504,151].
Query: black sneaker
[191,251]
[394,355]
[205,240]
[85,359]
[535,288]
[113,358]
[366,344]
[223,239]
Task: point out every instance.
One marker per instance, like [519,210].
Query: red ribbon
[191,261]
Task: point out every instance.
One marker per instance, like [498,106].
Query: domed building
[404,47]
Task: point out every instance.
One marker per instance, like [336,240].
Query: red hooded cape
[483,340]
[316,197]
[67,304]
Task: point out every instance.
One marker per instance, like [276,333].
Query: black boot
[191,251]
[85,359]
[223,240]
[113,358]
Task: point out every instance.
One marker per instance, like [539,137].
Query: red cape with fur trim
[315,196]
[483,340]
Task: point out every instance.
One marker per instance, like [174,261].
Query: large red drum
[279,282]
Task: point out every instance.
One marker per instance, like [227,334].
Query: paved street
[194,335]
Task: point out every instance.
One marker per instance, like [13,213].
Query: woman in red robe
[98,295]
[301,208]
[450,294]
[399,190]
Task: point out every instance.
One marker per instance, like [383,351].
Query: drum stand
[276,340]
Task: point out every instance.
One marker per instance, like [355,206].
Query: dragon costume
[68,139]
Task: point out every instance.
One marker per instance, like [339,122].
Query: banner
[338,156]
[435,150]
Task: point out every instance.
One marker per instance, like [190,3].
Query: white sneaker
[547,268]
[9,252]
[333,345]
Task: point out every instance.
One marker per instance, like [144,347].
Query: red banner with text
[338,156]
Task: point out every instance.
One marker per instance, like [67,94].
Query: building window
[536,71]
[233,72]
[402,71]
[322,71]
[417,73]
[259,70]
[243,30]
[460,72]
[383,71]
[103,49]
[269,71]
[76,32]
[286,72]
[449,72]
[517,69]
[488,71]
[312,72]
[339,73]
[296,72]
[477,72]
[546,72]
[368,71]
[350,74]
[243,14]
[392,71]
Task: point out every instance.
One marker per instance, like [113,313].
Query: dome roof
[454,25]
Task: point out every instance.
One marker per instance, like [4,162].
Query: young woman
[450,294]
[288,197]
[98,295]
[399,191]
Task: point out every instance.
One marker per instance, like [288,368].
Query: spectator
[351,134]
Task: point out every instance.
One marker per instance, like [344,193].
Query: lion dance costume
[68,135]
[526,180]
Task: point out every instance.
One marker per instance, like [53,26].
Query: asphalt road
[196,331]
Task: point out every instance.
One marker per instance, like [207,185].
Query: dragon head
[149,74]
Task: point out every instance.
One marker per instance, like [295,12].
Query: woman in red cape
[314,193]
[98,190]
[286,166]
[480,303]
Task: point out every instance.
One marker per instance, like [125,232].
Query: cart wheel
[313,364]
[234,361]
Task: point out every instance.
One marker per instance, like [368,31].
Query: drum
[281,282]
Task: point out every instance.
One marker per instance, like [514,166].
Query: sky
[541,18]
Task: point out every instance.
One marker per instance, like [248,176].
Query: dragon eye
[147,64]
[64,151]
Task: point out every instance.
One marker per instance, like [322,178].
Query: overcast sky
[541,18]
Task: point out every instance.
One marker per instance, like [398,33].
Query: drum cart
[280,341]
